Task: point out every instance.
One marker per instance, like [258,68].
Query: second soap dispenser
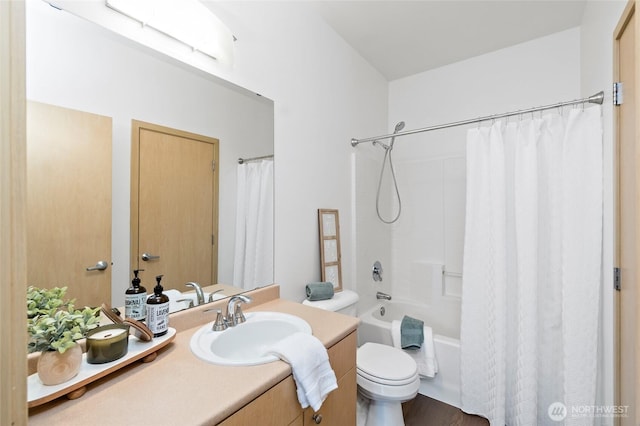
[158,310]
[135,299]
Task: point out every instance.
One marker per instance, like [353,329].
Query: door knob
[100,266]
[147,257]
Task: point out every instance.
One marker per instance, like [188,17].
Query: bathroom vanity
[179,388]
[279,405]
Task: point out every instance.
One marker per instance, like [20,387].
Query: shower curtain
[253,259]
[532,269]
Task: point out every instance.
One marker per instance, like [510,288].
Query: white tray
[38,394]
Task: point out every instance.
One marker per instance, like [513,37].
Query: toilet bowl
[386,376]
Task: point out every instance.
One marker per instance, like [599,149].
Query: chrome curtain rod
[245,160]
[595,99]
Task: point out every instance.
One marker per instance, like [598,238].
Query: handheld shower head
[398,127]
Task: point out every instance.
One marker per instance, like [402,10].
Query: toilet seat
[385,365]
[383,381]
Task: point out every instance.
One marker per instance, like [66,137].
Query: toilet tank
[343,302]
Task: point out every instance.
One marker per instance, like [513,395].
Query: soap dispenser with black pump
[135,299]
[158,310]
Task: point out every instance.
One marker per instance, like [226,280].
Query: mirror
[81,66]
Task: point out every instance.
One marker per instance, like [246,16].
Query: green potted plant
[54,326]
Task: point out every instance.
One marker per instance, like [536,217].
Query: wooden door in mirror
[174,205]
[330,257]
[69,202]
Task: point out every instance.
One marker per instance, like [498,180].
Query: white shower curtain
[253,260]
[532,269]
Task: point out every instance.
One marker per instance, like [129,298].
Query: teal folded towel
[319,291]
[411,333]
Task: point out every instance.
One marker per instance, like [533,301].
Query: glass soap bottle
[158,310]
[135,298]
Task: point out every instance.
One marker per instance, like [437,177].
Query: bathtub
[375,326]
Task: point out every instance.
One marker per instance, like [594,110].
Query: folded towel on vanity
[319,291]
[411,333]
[309,362]
[425,356]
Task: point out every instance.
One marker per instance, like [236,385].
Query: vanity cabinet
[340,406]
[276,407]
[279,405]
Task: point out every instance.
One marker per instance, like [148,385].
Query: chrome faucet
[198,289]
[234,313]
[214,292]
[380,296]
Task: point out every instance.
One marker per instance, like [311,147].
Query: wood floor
[424,411]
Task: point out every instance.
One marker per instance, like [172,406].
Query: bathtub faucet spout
[380,295]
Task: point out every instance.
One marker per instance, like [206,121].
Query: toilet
[386,376]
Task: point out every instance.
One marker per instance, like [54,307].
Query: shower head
[398,127]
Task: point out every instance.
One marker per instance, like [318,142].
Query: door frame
[626,323]
[13,175]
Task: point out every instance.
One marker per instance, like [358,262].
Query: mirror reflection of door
[69,202]
[174,206]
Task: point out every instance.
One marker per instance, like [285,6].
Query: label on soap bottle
[158,318]
[135,306]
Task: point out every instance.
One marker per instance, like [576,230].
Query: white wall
[324,94]
[598,23]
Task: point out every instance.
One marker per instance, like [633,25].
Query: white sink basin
[246,343]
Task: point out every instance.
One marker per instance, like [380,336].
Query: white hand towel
[425,357]
[309,362]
